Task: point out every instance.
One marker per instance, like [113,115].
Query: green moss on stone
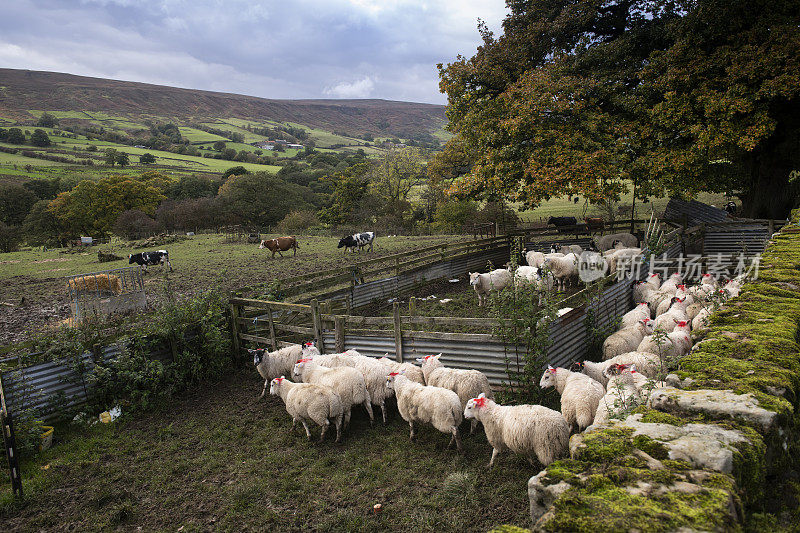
[611,508]
[606,445]
[653,448]
[652,416]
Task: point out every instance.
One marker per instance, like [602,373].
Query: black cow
[562,222]
[145,259]
[359,240]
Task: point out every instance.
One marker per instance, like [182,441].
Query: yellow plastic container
[47,437]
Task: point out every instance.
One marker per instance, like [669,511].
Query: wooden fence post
[317,325]
[235,332]
[338,324]
[271,322]
[398,333]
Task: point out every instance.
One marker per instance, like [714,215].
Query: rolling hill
[22,91]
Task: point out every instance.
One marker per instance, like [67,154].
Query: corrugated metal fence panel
[365,293]
[568,335]
[696,212]
[46,382]
[544,246]
[748,238]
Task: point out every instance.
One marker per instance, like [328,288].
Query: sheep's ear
[549,367]
[481,395]
[437,356]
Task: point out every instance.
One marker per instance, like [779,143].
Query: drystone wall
[717,450]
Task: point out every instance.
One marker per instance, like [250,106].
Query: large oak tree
[576,97]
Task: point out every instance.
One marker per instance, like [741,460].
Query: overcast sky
[276,49]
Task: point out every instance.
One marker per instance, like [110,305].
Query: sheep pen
[252,473]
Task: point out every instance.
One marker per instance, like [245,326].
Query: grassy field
[219,459]
[33,288]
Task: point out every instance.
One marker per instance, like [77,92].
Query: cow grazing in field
[562,222]
[280,244]
[594,224]
[357,240]
[145,259]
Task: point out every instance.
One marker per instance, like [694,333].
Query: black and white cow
[357,240]
[145,259]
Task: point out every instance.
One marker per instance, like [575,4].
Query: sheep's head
[428,359]
[309,349]
[576,366]
[474,278]
[655,276]
[648,325]
[258,355]
[390,380]
[617,369]
[275,384]
[297,371]
[644,305]
[548,378]
[474,405]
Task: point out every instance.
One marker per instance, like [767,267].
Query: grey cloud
[302,49]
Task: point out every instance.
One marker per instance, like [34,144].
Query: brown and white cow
[280,244]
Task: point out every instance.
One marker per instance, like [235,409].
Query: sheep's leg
[294,424]
[457,436]
[264,391]
[347,418]
[473,426]
[308,430]
[325,427]
[339,428]
[383,412]
[413,434]
[368,406]
[495,453]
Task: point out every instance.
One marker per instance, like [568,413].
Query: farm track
[218,459]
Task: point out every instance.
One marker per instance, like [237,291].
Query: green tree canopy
[122,159]
[47,121]
[219,146]
[261,198]
[680,97]
[15,136]
[110,156]
[92,207]
[147,159]
[350,195]
[41,227]
[40,138]
[15,203]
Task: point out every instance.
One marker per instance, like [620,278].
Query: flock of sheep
[560,267]
[652,337]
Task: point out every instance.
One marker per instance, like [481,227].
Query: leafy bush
[134,224]
[9,238]
[298,220]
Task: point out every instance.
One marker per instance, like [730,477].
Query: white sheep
[426,404]
[557,247]
[526,274]
[642,383]
[621,392]
[676,313]
[708,279]
[308,402]
[632,317]
[626,340]
[648,364]
[534,258]
[564,269]
[465,383]
[674,346]
[347,382]
[411,371]
[580,395]
[273,364]
[655,298]
[622,258]
[607,242]
[701,320]
[732,288]
[524,429]
[496,280]
[671,284]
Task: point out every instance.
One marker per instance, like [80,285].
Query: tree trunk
[769,195]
